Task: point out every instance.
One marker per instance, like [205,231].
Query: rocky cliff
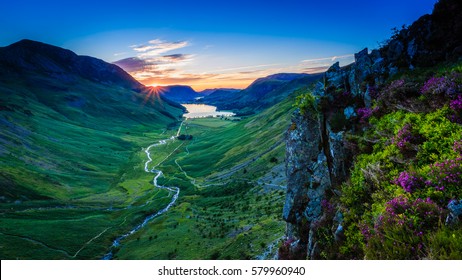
[318,158]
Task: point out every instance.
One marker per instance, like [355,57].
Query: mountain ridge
[29,55]
[262,93]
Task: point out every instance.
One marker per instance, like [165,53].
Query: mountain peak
[32,56]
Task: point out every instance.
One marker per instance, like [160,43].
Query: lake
[203,111]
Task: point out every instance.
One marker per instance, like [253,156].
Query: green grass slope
[72,172]
[224,210]
[68,147]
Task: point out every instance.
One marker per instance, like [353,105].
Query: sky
[210,44]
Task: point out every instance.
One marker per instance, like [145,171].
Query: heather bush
[445,180]
[402,230]
[394,87]
[458,147]
[404,137]
[456,104]
[439,86]
[409,181]
[364,114]
[456,107]
[395,201]
[398,91]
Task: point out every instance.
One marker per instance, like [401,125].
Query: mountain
[65,117]
[28,56]
[206,92]
[178,93]
[374,152]
[262,93]
[219,96]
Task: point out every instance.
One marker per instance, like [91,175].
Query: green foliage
[402,231]
[306,102]
[446,244]
[428,151]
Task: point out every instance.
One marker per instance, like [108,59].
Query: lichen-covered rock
[349,112]
[316,161]
[455,212]
[303,140]
[340,157]
[363,65]
[335,76]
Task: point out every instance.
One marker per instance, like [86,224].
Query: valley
[99,188]
[206,152]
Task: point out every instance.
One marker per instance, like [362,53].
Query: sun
[152,94]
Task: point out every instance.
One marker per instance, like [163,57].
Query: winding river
[174,190]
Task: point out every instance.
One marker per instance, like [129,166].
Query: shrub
[402,231]
[407,140]
[446,244]
[458,147]
[439,86]
[306,102]
[364,114]
[409,181]
[394,87]
[456,107]
[456,104]
[446,178]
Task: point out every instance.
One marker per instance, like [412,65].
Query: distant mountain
[179,93]
[64,116]
[262,93]
[218,90]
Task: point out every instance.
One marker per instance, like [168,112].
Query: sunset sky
[209,44]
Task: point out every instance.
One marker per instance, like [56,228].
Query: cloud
[329,59]
[177,57]
[313,70]
[166,62]
[157,47]
[152,60]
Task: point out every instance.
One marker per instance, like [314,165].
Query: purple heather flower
[456,104]
[409,182]
[404,137]
[364,114]
[458,147]
[439,86]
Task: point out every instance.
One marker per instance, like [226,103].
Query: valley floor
[229,207]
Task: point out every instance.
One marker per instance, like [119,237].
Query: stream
[174,190]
